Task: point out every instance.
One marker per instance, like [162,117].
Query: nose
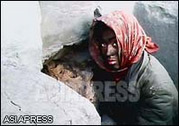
[110,50]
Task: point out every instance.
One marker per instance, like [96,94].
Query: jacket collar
[136,70]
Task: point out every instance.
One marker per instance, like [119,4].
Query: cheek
[103,51]
[115,49]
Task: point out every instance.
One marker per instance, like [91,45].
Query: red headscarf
[130,37]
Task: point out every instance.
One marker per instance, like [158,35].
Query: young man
[144,92]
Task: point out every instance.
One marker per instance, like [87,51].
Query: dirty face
[109,49]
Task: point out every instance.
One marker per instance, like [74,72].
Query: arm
[159,105]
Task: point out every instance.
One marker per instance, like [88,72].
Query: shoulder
[156,71]
[157,84]
[158,94]
[155,75]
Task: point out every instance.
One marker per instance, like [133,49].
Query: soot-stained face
[109,49]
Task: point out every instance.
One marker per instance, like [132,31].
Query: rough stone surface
[21,43]
[25,92]
[24,89]
[68,22]
[64,23]
[160,21]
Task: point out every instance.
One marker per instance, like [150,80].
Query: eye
[115,44]
[103,45]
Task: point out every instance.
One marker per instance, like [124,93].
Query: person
[141,90]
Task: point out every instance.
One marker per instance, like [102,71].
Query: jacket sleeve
[158,105]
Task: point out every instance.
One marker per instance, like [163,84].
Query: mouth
[112,62]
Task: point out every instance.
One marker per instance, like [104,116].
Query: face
[109,49]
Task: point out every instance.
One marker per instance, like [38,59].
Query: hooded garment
[157,96]
[130,37]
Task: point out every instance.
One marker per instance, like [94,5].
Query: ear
[97,12]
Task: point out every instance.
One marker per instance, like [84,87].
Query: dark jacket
[155,98]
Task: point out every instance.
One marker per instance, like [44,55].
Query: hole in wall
[72,65]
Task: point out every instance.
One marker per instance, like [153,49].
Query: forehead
[108,34]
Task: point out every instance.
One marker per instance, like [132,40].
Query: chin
[114,68]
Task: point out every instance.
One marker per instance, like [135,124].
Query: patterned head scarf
[130,36]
